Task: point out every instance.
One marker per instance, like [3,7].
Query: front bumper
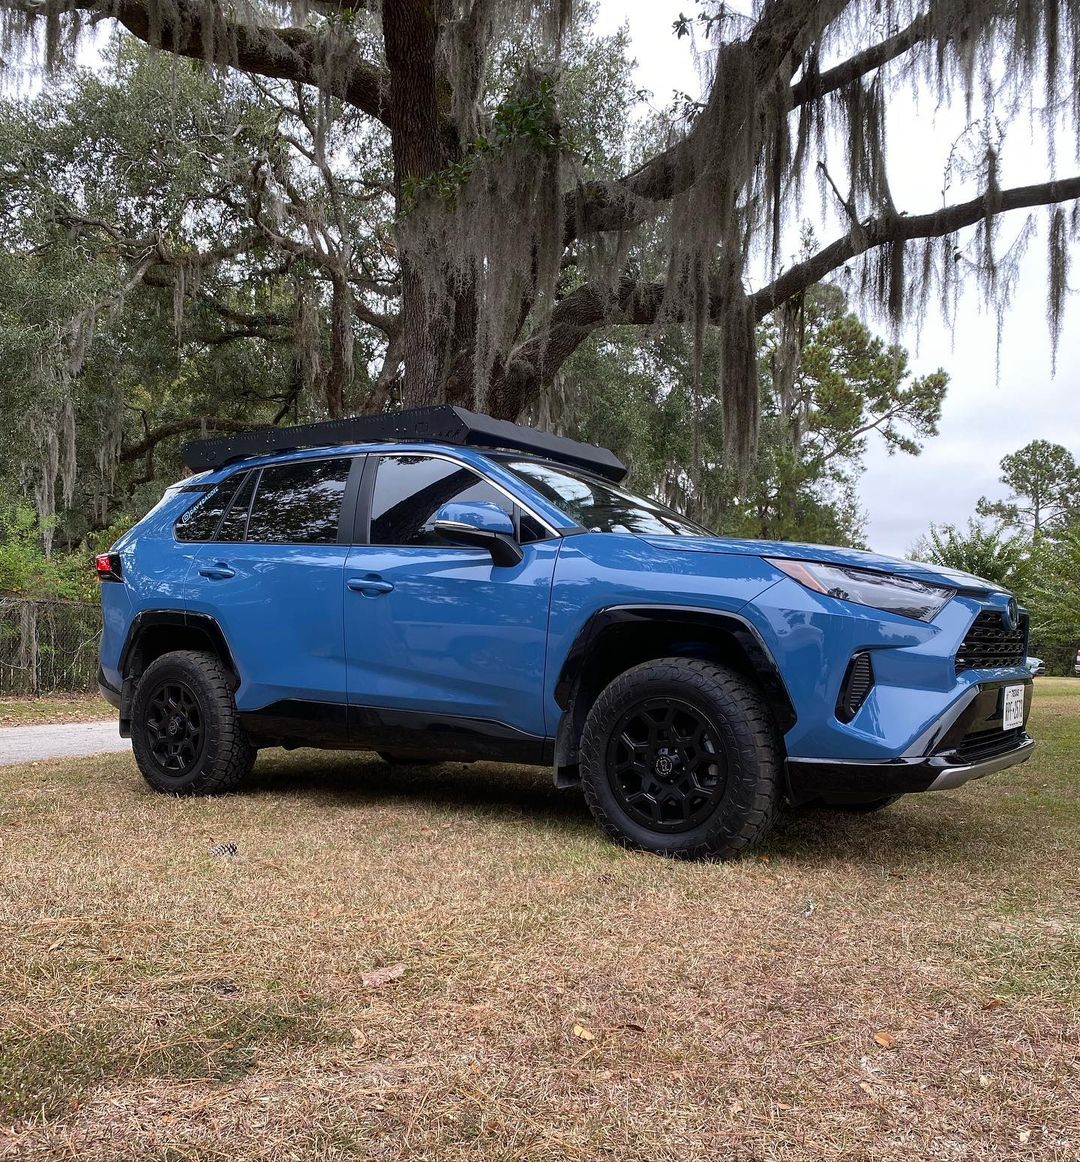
[966,743]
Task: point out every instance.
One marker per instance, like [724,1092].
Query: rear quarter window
[200,521]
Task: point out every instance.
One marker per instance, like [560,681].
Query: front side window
[410,490]
[599,506]
[299,503]
[200,522]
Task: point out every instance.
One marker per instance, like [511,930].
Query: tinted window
[598,506]
[410,490]
[201,520]
[300,503]
[234,522]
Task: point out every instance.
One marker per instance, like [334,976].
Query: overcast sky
[986,414]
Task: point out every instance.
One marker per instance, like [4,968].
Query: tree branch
[261,320]
[902,228]
[195,30]
[583,311]
[220,338]
[813,86]
[193,424]
[604,206]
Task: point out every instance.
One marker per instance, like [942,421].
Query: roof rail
[442,424]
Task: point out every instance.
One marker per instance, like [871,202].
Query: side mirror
[480,524]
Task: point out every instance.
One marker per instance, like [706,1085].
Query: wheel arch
[618,637]
[154,632]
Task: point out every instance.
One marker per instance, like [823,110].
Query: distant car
[1076,668]
[1038,667]
[439,584]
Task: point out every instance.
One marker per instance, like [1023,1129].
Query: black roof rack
[442,424]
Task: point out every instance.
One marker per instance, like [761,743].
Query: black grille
[986,744]
[989,644]
[856,685]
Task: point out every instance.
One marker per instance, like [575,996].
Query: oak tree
[508,244]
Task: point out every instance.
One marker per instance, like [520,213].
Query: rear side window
[410,490]
[299,504]
[200,522]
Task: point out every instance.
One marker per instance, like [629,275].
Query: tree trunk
[341,345]
[419,151]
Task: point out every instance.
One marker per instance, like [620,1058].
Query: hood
[830,555]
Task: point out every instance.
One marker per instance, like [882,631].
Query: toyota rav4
[436,584]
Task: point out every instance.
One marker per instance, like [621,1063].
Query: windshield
[599,506]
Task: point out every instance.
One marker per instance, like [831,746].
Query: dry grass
[162,1003]
[61,708]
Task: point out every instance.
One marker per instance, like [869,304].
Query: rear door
[272,577]
[435,631]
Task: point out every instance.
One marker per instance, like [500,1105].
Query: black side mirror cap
[505,551]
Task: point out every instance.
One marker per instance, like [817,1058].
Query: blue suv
[436,584]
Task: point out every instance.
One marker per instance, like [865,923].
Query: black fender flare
[148,619]
[746,636]
[178,619]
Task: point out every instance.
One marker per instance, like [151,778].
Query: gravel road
[27,744]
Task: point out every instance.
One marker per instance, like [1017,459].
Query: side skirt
[412,733]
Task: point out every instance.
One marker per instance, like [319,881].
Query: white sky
[986,415]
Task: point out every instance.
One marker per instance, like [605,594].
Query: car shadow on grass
[492,789]
[917,831]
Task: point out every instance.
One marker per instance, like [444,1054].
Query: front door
[437,638]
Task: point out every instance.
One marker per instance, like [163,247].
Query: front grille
[989,644]
[987,744]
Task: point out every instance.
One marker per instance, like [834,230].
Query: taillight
[108,567]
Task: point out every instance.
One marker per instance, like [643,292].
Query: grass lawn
[59,708]
[451,963]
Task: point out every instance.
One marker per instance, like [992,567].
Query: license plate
[1013,713]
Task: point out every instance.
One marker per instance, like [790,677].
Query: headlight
[902,595]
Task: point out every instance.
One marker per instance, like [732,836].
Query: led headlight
[903,595]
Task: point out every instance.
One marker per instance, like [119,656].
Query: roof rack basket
[443,424]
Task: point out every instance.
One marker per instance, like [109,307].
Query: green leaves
[530,118]
[847,387]
[1033,549]
[991,553]
[1055,591]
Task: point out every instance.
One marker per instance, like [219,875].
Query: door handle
[218,571]
[369,586]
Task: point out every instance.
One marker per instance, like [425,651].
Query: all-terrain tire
[732,800]
[185,730]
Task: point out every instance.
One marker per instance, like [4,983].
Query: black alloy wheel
[681,756]
[175,727]
[666,765]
